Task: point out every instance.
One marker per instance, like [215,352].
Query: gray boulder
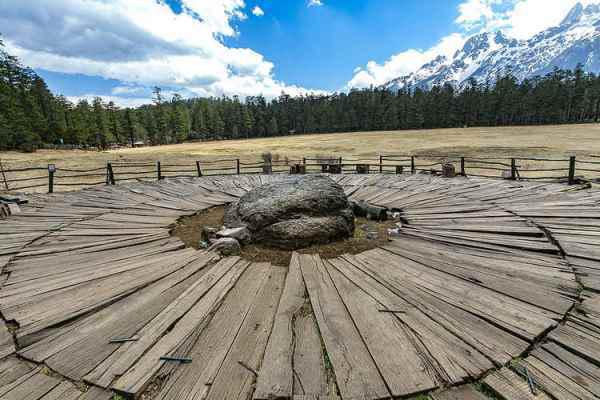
[296,212]
[241,234]
[226,247]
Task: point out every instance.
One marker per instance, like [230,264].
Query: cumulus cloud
[404,63]
[315,3]
[257,11]
[475,11]
[520,19]
[118,100]
[141,43]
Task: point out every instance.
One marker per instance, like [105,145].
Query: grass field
[530,141]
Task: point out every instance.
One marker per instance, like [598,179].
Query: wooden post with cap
[51,170]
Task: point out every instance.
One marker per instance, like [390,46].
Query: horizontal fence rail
[569,170]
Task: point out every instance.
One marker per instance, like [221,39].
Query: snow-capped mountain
[575,41]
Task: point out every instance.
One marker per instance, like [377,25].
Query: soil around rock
[367,235]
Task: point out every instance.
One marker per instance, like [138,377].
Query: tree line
[32,116]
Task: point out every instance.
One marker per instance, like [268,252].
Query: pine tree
[179,119]
[130,126]
[114,124]
[273,127]
[160,119]
[100,122]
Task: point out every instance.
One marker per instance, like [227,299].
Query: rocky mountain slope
[575,41]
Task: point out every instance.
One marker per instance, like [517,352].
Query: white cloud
[315,3]
[257,11]
[141,43]
[119,101]
[520,19]
[404,63]
[529,17]
[473,12]
[127,90]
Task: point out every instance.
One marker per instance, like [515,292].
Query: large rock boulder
[294,213]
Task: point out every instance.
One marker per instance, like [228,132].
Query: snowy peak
[486,55]
[573,16]
[580,14]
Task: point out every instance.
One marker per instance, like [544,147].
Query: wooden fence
[570,170]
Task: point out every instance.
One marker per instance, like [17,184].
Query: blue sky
[319,47]
[119,49]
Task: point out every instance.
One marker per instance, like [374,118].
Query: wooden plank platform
[480,271]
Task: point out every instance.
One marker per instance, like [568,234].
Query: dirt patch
[367,235]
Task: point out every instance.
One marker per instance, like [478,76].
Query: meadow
[559,141]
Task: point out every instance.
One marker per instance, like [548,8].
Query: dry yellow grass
[536,141]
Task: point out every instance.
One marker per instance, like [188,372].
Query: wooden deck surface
[489,281]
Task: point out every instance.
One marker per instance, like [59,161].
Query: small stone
[372,236]
[393,232]
[226,247]
[208,232]
[241,234]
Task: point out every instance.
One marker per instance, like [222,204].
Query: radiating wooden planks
[189,311]
[217,338]
[7,344]
[477,275]
[563,374]
[237,374]
[511,386]
[294,361]
[356,374]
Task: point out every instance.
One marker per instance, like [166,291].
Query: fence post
[412,165]
[571,170]
[110,176]
[380,164]
[513,169]
[51,169]
[198,168]
[304,160]
[462,166]
[158,171]
[3,175]
[237,165]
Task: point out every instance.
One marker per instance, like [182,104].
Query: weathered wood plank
[356,373]
[511,386]
[215,339]
[193,307]
[465,392]
[237,375]
[293,361]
